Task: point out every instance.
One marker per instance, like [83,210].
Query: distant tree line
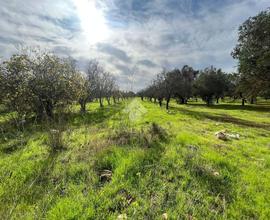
[37,83]
[211,84]
[182,84]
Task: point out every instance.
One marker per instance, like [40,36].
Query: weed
[55,139]
[143,137]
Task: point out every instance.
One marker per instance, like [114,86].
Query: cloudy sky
[134,39]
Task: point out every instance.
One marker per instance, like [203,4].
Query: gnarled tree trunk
[160,102]
[167,102]
[49,108]
[100,102]
[82,103]
[243,101]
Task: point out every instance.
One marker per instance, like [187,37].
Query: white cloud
[158,33]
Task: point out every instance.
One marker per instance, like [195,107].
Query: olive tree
[211,83]
[184,84]
[39,83]
[253,53]
[167,84]
[15,76]
[171,84]
[101,84]
[109,86]
[54,83]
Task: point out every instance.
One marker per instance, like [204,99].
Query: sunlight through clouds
[92,21]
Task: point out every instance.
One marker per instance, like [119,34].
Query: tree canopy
[253,53]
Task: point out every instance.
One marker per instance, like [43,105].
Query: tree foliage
[15,78]
[171,84]
[211,83]
[41,82]
[37,84]
[253,53]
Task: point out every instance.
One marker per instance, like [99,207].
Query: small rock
[234,136]
[216,173]
[222,136]
[165,216]
[122,217]
[105,175]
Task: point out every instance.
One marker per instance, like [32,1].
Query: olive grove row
[40,82]
[250,81]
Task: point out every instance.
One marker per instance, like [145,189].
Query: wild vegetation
[142,162]
[74,146]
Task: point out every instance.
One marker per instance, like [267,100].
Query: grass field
[139,160]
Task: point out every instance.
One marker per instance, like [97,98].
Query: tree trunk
[39,111]
[167,102]
[114,100]
[160,102]
[83,105]
[49,109]
[155,100]
[100,102]
[142,98]
[217,100]
[208,101]
[182,100]
[243,101]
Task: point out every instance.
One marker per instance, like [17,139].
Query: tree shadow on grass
[10,136]
[73,118]
[91,117]
[222,118]
[13,139]
[13,146]
[219,179]
[255,107]
[32,189]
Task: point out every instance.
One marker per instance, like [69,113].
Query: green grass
[176,166]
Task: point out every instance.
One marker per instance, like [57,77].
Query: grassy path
[190,174]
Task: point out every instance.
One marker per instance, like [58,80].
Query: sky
[132,39]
